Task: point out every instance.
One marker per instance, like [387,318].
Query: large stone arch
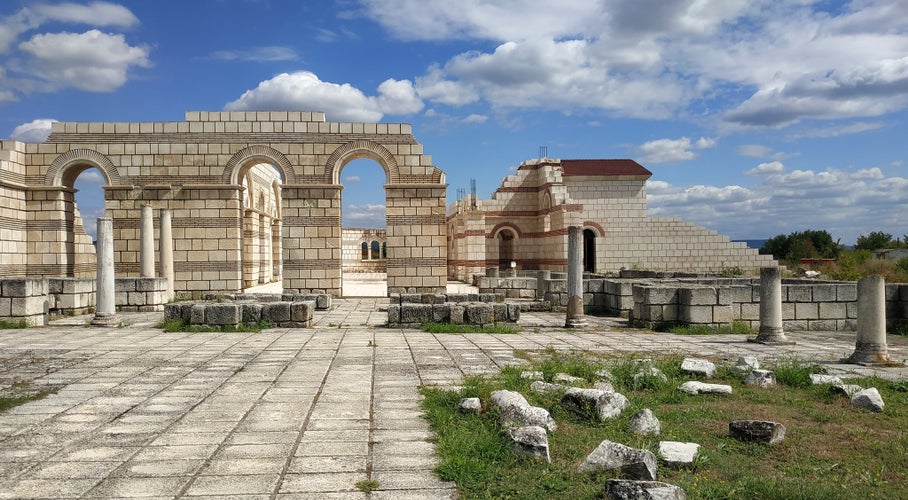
[58,171]
[257,154]
[361,149]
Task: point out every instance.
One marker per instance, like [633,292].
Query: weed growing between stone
[6,324]
[20,393]
[452,328]
[367,486]
[831,449]
[178,325]
[737,327]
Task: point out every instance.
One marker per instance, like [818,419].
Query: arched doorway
[262,243]
[364,226]
[506,254]
[589,251]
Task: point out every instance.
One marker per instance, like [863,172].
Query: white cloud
[754,150]
[33,131]
[839,130]
[304,91]
[672,150]
[35,15]
[257,54]
[896,164]
[92,61]
[434,87]
[475,118]
[845,203]
[352,178]
[369,215]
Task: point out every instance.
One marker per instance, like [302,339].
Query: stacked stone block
[485,309]
[70,296]
[24,299]
[511,288]
[141,294]
[297,314]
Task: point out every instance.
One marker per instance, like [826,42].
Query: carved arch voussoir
[261,154]
[361,149]
[595,227]
[62,163]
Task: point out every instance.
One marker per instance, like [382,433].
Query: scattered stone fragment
[531,441]
[531,375]
[756,430]
[623,489]
[633,463]
[470,405]
[694,387]
[678,454]
[760,378]
[581,400]
[869,399]
[644,422]
[519,416]
[698,366]
[450,388]
[649,372]
[604,386]
[847,390]
[820,379]
[604,374]
[503,399]
[610,405]
[746,364]
[545,387]
[564,378]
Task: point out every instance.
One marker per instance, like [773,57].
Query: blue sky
[756,117]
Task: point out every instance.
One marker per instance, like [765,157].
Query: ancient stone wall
[364,250]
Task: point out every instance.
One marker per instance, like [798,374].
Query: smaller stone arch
[60,173]
[503,226]
[595,227]
[258,154]
[361,149]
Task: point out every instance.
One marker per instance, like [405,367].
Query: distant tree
[810,244]
[875,241]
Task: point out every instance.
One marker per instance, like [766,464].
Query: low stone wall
[600,295]
[482,309]
[322,300]
[509,287]
[35,299]
[282,314]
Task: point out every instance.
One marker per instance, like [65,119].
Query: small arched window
[365,251]
[376,250]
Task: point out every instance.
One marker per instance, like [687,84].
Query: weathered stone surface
[633,463]
[412,313]
[604,374]
[519,416]
[301,312]
[604,386]
[756,430]
[869,399]
[531,375]
[644,422]
[252,313]
[610,405]
[564,378]
[649,372]
[222,314]
[678,454]
[847,390]
[532,441]
[820,379]
[746,364]
[698,366]
[503,399]
[623,489]
[760,378]
[545,387]
[470,405]
[457,314]
[480,314]
[276,312]
[694,387]
[394,314]
[581,400]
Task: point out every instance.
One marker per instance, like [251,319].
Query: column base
[575,322]
[771,336]
[107,320]
[869,356]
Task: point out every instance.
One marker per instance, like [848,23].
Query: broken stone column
[165,248]
[771,308]
[146,244]
[870,347]
[575,316]
[542,276]
[105,302]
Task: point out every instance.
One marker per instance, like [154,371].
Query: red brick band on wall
[311,264]
[494,263]
[417,262]
[407,220]
[211,265]
[323,220]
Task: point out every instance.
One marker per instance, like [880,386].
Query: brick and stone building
[364,250]
[527,218]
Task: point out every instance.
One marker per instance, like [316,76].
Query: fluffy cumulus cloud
[746,63]
[93,60]
[271,53]
[368,215]
[33,131]
[303,90]
[672,150]
[847,203]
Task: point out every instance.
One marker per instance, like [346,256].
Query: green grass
[737,327]
[367,486]
[831,450]
[19,394]
[6,324]
[178,325]
[452,328]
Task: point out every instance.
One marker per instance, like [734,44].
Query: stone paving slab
[285,413]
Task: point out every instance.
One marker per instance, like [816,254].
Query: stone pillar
[165,249]
[146,247]
[575,317]
[105,302]
[771,331]
[542,276]
[870,347]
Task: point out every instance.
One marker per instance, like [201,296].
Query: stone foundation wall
[281,314]
[483,309]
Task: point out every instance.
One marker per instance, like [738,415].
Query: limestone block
[723,314]
[513,312]
[695,387]
[5,307]
[24,287]
[545,387]
[806,311]
[125,285]
[28,306]
[411,298]
[645,423]
[756,430]
[519,416]
[799,293]
[197,314]
[660,295]
[394,298]
[846,293]
[632,462]
[441,313]
[491,297]
[678,454]
[532,441]
[411,313]
[698,366]
[276,312]
[394,314]
[502,399]
[223,314]
[135,298]
[868,399]
[480,314]
[301,312]
[457,314]
[760,378]
[470,405]
[696,314]
[824,293]
[624,489]
[821,379]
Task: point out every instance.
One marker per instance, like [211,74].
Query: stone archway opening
[262,248]
[81,201]
[506,250]
[589,251]
[363,229]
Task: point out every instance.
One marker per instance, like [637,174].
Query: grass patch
[8,324]
[178,325]
[19,394]
[737,327]
[452,328]
[831,450]
[367,486]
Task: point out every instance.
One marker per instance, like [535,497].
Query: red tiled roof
[603,167]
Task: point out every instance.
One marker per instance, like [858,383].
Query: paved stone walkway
[286,413]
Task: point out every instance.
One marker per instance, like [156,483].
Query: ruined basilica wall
[352,241]
[13,212]
[193,168]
